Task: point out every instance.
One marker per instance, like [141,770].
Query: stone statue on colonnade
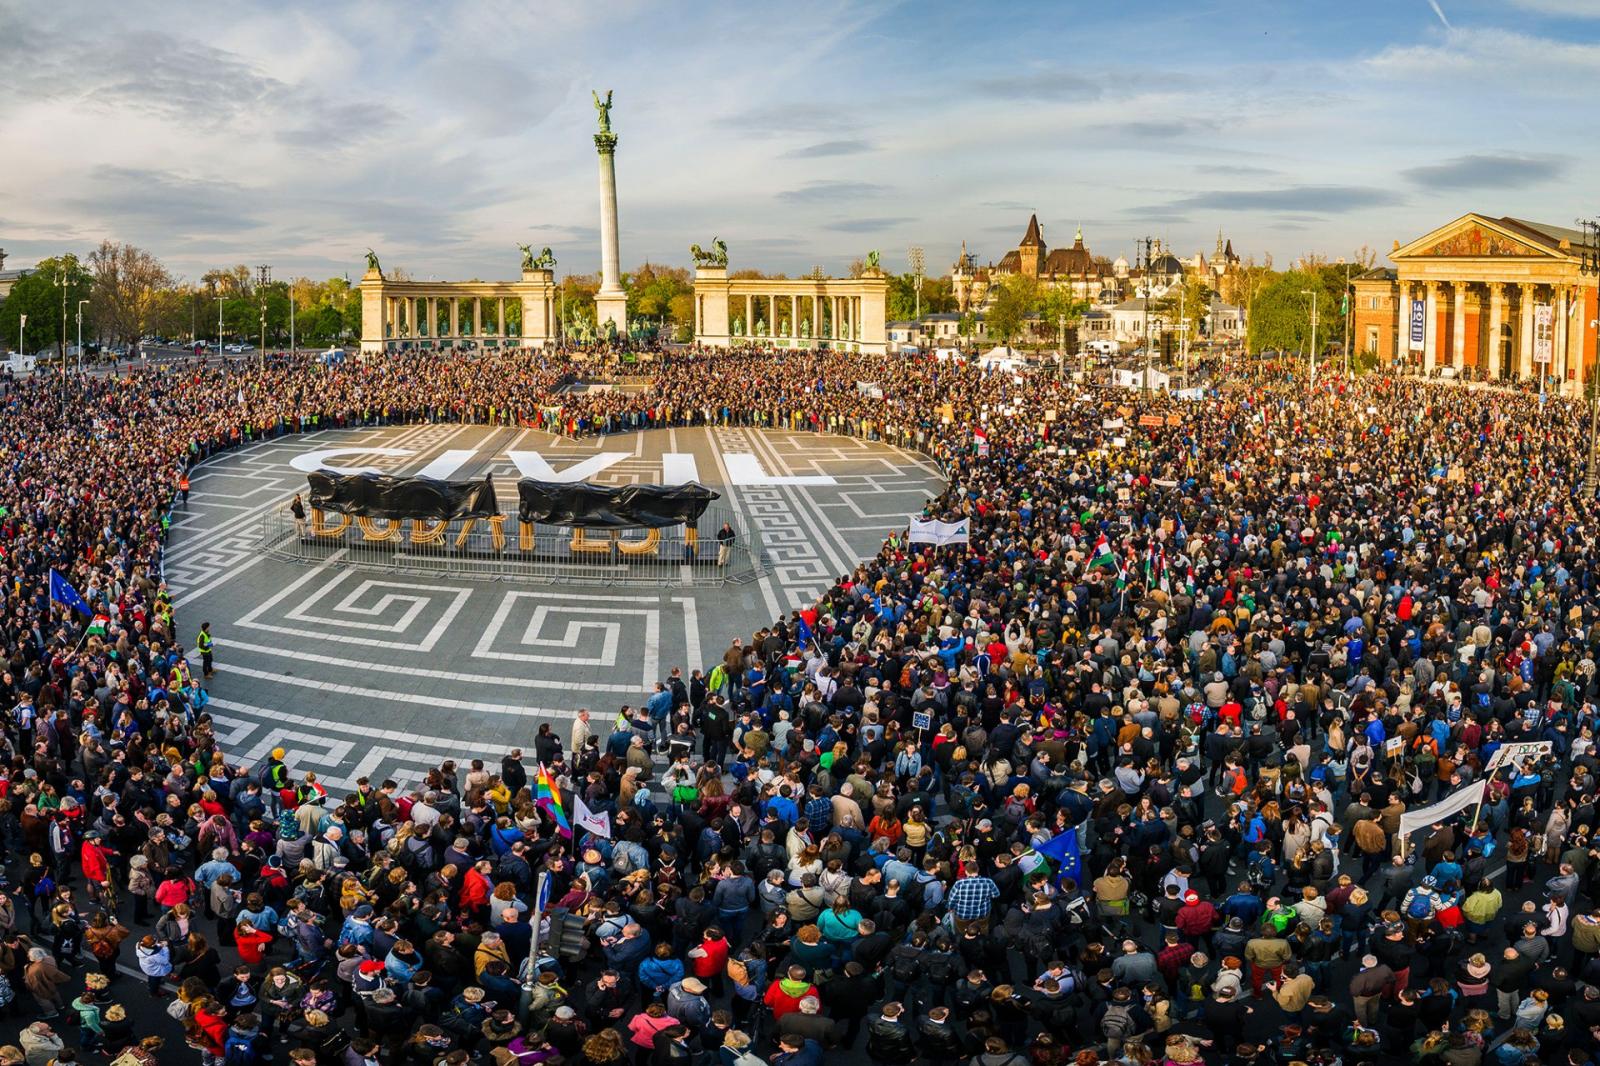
[604,108]
[716,257]
[372,262]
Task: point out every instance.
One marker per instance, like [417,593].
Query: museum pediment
[1474,237]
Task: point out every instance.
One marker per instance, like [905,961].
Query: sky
[443,135]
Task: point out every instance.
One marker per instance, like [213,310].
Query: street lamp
[1313,294]
[22,324]
[1344,313]
[919,262]
[1589,264]
[80,334]
[61,279]
[263,333]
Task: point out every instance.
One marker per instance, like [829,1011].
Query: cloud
[773,120]
[1007,205]
[818,192]
[1578,9]
[1532,64]
[825,149]
[169,203]
[1050,84]
[1233,170]
[1161,129]
[1497,170]
[1315,199]
[868,225]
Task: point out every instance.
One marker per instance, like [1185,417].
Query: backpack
[905,962]
[239,1051]
[1421,906]
[1118,1021]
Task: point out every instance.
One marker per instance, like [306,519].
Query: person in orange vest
[183,487]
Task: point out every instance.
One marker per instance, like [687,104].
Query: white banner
[1456,801]
[1544,332]
[598,824]
[939,533]
[1509,752]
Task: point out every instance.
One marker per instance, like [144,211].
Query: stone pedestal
[711,306]
[373,319]
[611,307]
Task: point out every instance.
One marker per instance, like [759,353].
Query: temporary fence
[503,548]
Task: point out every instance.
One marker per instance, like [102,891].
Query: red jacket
[782,1002]
[1195,919]
[252,945]
[213,1030]
[713,961]
[475,890]
[96,868]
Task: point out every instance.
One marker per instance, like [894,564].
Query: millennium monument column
[611,302]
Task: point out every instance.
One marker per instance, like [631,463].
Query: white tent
[1003,357]
[1134,379]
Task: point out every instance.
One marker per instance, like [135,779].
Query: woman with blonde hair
[604,1049]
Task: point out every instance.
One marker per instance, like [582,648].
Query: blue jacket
[658,975]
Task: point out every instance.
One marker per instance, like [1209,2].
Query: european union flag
[1063,850]
[62,592]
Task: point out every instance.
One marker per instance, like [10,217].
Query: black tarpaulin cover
[387,496]
[611,507]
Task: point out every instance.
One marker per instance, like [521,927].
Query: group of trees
[1021,296]
[129,294]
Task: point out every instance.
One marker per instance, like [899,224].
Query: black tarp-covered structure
[590,506]
[388,496]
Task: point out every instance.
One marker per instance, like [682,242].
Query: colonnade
[1506,329]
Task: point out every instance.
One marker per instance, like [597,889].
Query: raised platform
[504,549]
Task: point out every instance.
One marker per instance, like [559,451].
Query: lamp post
[263,333]
[61,280]
[22,324]
[1148,356]
[80,334]
[1589,265]
[219,326]
[918,260]
[1344,313]
[1313,294]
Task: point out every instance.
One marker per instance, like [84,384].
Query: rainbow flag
[547,797]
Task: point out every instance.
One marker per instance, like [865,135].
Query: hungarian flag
[1102,554]
[547,797]
[98,624]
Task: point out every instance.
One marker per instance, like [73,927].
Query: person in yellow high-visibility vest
[203,645]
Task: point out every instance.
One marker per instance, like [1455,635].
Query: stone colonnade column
[1525,348]
[477,317]
[1430,336]
[1458,330]
[1496,311]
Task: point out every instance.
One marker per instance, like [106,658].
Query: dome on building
[1167,264]
[1120,267]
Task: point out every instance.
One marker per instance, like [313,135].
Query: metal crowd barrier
[505,549]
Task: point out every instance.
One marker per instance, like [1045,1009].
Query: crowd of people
[1121,779]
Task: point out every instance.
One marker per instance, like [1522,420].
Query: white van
[18,363]
[1100,347]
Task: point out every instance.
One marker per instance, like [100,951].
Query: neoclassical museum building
[1493,298]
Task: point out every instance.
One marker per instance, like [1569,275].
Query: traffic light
[568,937]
